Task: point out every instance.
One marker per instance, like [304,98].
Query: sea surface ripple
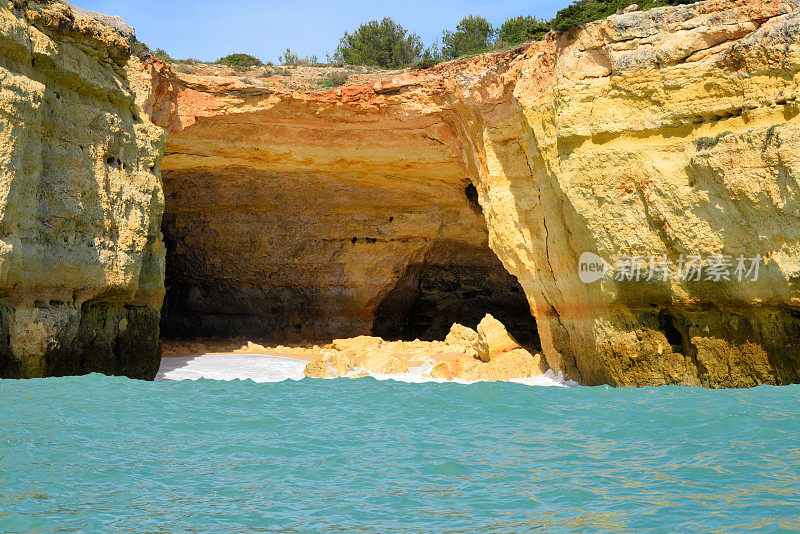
[97,453]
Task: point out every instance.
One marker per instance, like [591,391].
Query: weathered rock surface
[601,149]
[454,358]
[81,257]
[667,132]
[463,337]
[493,339]
[311,217]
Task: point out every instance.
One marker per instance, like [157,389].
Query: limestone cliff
[81,257]
[668,133]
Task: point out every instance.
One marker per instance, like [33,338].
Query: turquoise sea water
[100,454]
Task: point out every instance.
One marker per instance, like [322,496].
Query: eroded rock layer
[292,217]
[81,258]
[671,132]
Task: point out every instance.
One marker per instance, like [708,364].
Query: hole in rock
[455,283]
[666,324]
[471,193]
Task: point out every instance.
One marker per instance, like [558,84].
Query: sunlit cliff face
[81,258]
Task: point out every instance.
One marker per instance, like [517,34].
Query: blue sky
[207,30]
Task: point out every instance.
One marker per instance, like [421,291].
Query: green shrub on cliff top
[161,54]
[335,79]
[473,35]
[583,11]
[239,60]
[424,63]
[288,58]
[383,44]
[521,30]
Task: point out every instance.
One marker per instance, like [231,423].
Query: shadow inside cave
[455,283]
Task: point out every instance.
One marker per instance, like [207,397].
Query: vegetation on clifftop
[288,58]
[335,79]
[387,44]
[473,35]
[521,29]
[239,60]
[384,44]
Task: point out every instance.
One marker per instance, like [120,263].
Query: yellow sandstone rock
[493,339]
[453,359]
[467,369]
[442,370]
[515,363]
[463,339]
[384,364]
[81,254]
[358,347]
[330,366]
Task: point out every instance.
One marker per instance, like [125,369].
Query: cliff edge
[81,257]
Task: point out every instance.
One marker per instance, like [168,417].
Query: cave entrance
[455,283]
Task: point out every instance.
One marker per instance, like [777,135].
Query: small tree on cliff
[288,58]
[473,35]
[521,30]
[384,44]
[239,60]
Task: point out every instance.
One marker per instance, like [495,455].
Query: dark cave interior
[454,284]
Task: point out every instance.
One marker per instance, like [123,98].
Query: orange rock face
[295,216]
[667,132]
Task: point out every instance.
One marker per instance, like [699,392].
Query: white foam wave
[421,374]
[256,367]
[266,368]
